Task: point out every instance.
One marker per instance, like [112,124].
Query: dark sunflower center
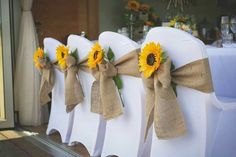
[62,54]
[95,55]
[151,59]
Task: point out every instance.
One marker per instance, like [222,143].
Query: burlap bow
[105,97]
[73,90]
[47,81]
[161,103]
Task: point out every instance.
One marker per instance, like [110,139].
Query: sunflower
[150,58]
[133,5]
[172,23]
[149,23]
[61,53]
[39,54]
[95,56]
[144,7]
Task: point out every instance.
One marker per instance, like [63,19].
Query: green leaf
[75,55]
[110,55]
[174,88]
[172,66]
[47,58]
[118,82]
[44,55]
[75,51]
[173,84]
[163,55]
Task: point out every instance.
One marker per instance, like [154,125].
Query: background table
[221,131]
[223,69]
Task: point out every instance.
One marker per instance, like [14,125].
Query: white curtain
[26,81]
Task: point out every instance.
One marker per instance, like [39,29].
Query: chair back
[182,48]
[88,128]
[59,120]
[125,134]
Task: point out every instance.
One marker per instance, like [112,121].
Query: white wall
[110,14]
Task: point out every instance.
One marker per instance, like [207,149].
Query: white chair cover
[88,128]
[59,120]
[221,131]
[183,48]
[125,134]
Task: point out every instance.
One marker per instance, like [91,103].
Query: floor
[12,134]
[16,143]
[20,147]
[35,143]
[55,138]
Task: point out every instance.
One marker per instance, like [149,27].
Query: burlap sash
[161,103]
[73,90]
[47,81]
[105,97]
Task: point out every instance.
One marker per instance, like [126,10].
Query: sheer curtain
[26,81]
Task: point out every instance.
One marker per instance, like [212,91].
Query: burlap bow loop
[105,96]
[199,71]
[162,106]
[108,69]
[73,90]
[47,81]
[71,62]
[45,63]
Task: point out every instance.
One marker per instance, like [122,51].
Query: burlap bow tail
[73,90]
[105,96]
[161,103]
[47,81]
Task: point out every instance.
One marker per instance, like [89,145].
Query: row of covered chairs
[124,136]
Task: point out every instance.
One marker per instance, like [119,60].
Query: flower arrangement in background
[133,5]
[185,23]
[142,12]
[150,59]
[62,52]
[147,15]
[39,55]
[138,14]
[144,7]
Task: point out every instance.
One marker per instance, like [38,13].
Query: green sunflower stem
[121,98]
[110,57]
